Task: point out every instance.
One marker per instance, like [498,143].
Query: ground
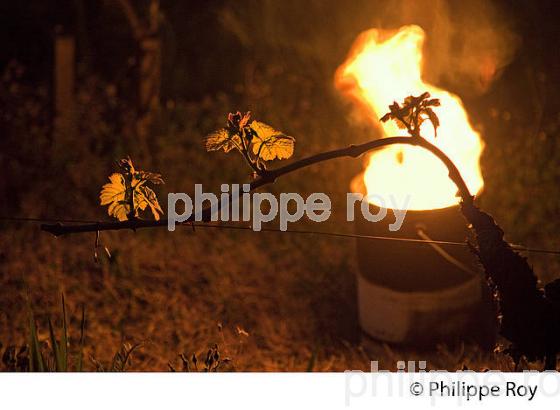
[270,301]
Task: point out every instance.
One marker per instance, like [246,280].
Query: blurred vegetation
[294,296]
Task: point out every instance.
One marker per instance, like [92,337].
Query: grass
[56,357]
[53,354]
[270,302]
[50,355]
[180,294]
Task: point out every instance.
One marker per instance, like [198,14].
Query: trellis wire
[297,231]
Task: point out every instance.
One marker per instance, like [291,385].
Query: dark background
[199,45]
[292,51]
[293,296]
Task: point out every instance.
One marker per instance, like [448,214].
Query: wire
[368,237]
[298,231]
[47,220]
[441,252]
[324,233]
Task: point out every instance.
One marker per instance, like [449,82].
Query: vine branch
[269,176]
[529,317]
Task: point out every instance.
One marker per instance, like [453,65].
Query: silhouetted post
[150,64]
[64,83]
[149,71]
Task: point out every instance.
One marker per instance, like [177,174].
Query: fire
[382,69]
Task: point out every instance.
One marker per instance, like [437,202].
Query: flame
[382,69]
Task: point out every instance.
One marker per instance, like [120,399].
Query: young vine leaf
[222,139]
[127,192]
[270,144]
[414,111]
[256,141]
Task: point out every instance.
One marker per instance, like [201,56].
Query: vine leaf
[269,144]
[152,177]
[257,142]
[113,194]
[128,190]
[398,114]
[222,139]
[433,119]
[147,197]
[414,111]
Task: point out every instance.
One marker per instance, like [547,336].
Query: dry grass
[273,309]
[271,302]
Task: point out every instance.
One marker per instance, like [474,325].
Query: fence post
[64,92]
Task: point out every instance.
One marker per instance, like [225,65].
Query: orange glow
[384,68]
